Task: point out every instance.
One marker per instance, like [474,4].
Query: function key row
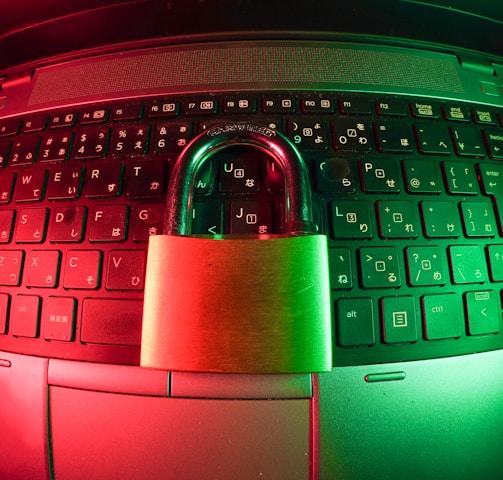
[344,104]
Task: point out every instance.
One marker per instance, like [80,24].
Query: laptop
[390,116]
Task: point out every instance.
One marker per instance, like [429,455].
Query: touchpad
[111,435]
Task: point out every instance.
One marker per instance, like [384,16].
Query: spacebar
[111,322]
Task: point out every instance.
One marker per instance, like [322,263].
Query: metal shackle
[298,212]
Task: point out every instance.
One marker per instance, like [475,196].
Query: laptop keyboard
[409,192]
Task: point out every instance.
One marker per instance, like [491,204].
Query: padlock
[238,303]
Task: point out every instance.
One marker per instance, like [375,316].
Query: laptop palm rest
[443,420]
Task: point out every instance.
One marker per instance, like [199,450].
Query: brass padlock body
[246,305]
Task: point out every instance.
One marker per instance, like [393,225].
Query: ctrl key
[355,322]
[442,316]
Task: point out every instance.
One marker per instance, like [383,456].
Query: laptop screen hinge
[477,64]
[13,80]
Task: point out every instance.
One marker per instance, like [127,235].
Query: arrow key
[495,259]
[483,312]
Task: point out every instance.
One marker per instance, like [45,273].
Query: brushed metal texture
[241,305]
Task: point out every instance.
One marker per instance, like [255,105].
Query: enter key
[491,177]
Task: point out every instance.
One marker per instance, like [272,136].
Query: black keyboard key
[309,135]
[172,138]
[442,316]
[240,172]
[11,264]
[6,225]
[456,113]
[146,179]
[495,261]
[380,175]
[205,106]
[484,116]
[397,219]
[399,319]
[130,140]
[35,124]
[4,312]
[65,183]
[433,139]
[251,217]
[104,180]
[240,104]
[98,115]
[5,147]
[127,112]
[422,176]
[59,319]
[24,151]
[355,322]
[478,219]
[341,272]
[274,178]
[67,119]
[31,224]
[148,219]
[423,109]
[334,175]
[351,220]
[92,143]
[425,266]
[163,109]
[25,316]
[42,268]
[9,127]
[441,219]
[67,224]
[126,270]
[355,106]
[6,187]
[394,137]
[108,223]
[482,312]
[351,135]
[207,219]
[111,322]
[467,264]
[494,143]
[30,186]
[380,267]
[82,269]
[467,142]
[460,178]
[491,177]
[56,147]
[317,105]
[392,108]
[278,104]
